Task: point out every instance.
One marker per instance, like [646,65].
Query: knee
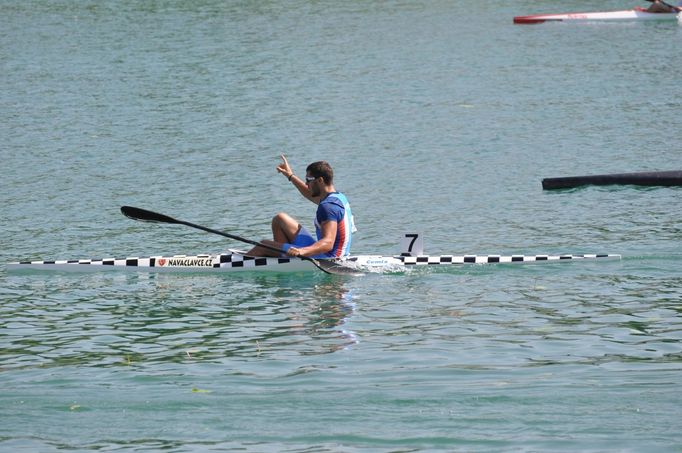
[277,219]
[281,218]
[284,227]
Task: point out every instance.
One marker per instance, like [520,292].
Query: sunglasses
[309,179]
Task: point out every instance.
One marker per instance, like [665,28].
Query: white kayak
[234,261]
[625,15]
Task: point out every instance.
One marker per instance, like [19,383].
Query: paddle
[664,3]
[149,216]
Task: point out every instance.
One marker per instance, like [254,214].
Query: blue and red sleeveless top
[335,207]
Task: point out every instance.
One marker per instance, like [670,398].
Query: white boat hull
[625,15]
[235,262]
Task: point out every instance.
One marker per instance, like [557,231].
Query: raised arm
[285,169]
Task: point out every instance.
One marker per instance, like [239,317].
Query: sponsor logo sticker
[185,261]
[190,262]
[377,262]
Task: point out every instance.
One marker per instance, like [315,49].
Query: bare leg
[261,251]
[284,230]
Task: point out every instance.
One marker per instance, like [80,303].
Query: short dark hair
[321,169]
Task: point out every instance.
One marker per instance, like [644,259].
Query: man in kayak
[333,222]
[657,6]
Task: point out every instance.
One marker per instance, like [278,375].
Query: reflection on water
[115,320]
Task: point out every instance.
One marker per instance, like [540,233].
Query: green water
[438,117]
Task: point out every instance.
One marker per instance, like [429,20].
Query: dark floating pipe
[656,178]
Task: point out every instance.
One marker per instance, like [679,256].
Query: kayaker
[657,6]
[333,221]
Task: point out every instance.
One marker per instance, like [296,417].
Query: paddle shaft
[232,236]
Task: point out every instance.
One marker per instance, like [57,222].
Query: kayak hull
[235,262]
[625,15]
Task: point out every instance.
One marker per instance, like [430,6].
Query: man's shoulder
[331,204]
[335,198]
[331,207]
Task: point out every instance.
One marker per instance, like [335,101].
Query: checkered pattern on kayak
[229,260]
[199,261]
[490,259]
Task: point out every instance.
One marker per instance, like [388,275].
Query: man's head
[321,169]
[316,173]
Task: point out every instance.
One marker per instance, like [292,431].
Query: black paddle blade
[146,216]
[335,268]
